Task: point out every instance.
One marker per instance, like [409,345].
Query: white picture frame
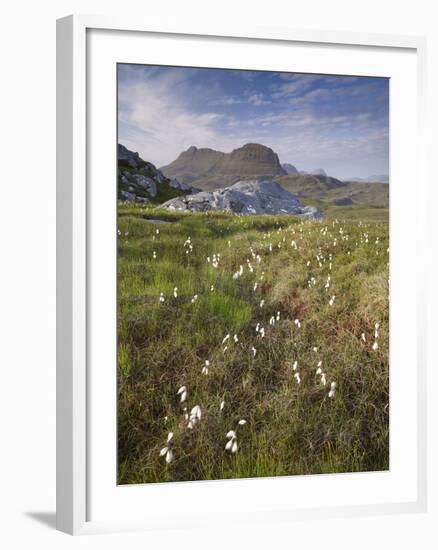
[75,222]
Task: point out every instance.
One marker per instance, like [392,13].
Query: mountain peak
[252,159]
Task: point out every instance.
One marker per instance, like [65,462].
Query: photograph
[252,273]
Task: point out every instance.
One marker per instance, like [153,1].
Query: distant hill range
[315,172]
[325,189]
[378,178]
[292,170]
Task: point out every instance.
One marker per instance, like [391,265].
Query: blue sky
[338,123]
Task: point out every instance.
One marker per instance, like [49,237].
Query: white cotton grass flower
[222,405]
[154,255]
[332,389]
[297,323]
[182,392]
[205,368]
[195,416]
[295,365]
[231,446]
[167,451]
[175,292]
[376,330]
[242,422]
[262,332]
[297,377]
[255,286]
[362,337]
[262,303]
[235,338]
[332,300]
[323,379]
[225,339]
[278,316]
[195,297]
[212,288]
[161,298]
[169,456]
[272,321]
[315,349]
[254,351]
[375,346]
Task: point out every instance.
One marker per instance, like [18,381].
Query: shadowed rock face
[252,159]
[258,196]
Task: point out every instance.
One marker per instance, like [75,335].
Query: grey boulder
[255,196]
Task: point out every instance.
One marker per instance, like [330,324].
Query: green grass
[290,428]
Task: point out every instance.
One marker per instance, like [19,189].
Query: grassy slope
[291,428]
[363,193]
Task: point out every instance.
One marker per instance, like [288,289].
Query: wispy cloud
[338,123]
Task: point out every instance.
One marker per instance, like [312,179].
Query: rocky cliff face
[252,159]
[258,196]
[141,181]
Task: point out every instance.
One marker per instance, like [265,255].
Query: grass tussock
[319,291]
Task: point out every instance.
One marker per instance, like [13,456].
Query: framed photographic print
[240,298]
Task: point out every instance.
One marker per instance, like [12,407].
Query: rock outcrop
[255,196]
[141,181]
